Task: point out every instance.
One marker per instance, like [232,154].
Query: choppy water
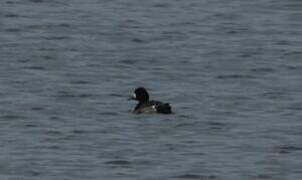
[232,71]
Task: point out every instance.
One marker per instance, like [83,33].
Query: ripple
[294,67]
[282,43]
[77,131]
[292,53]
[234,76]
[273,95]
[288,149]
[36,1]
[64,25]
[11,2]
[264,176]
[23,60]
[263,69]
[186,116]
[54,147]
[109,113]
[37,108]
[13,30]
[11,15]
[12,117]
[56,38]
[35,173]
[65,94]
[30,125]
[47,57]
[137,40]
[118,162]
[54,118]
[232,32]
[246,55]
[35,67]
[48,26]
[53,132]
[195,176]
[295,106]
[115,95]
[183,125]
[79,82]
[162,5]
[128,61]
[47,49]
[85,95]
[216,125]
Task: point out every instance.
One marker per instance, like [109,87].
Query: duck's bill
[132,97]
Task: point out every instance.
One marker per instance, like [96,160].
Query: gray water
[231,70]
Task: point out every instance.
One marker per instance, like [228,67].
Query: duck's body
[146,106]
[153,107]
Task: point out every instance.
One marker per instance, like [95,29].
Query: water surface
[230,69]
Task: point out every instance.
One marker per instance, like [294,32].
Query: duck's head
[140,94]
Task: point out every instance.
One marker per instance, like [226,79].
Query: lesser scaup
[148,106]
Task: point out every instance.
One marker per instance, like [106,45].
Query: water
[230,69]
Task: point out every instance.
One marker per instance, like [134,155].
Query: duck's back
[153,107]
[163,108]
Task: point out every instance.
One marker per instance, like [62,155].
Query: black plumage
[148,106]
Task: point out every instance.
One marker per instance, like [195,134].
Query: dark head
[140,94]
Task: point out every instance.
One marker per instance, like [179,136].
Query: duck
[148,106]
